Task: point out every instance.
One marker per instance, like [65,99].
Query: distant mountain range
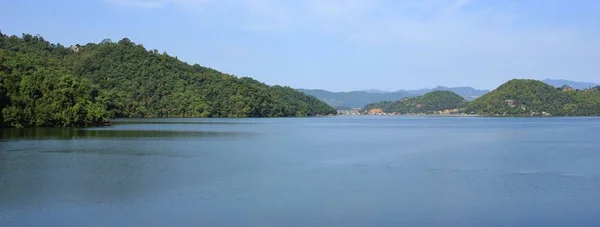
[573,84]
[376,91]
[468,93]
[358,99]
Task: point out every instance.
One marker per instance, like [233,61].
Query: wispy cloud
[439,24]
[155,3]
[463,36]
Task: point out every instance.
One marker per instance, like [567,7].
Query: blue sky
[340,45]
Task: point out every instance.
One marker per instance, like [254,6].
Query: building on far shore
[375,111]
[354,111]
[448,111]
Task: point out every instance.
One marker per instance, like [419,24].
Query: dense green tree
[37,91]
[585,103]
[531,98]
[44,84]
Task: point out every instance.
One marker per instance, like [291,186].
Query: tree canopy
[45,84]
[520,97]
[584,103]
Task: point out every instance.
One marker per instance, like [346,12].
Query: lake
[329,171]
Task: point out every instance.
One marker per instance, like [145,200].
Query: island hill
[536,98]
[435,102]
[45,84]
[517,97]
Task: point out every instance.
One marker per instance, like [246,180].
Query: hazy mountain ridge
[352,99]
[468,93]
[359,99]
[376,91]
[574,84]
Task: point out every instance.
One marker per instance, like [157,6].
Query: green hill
[45,84]
[428,103]
[584,103]
[520,97]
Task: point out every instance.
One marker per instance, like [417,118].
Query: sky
[340,45]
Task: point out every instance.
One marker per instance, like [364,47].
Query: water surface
[331,171]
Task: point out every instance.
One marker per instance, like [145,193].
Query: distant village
[355,111]
[379,111]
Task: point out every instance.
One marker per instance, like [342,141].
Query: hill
[573,84]
[520,97]
[44,84]
[358,99]
[428,103]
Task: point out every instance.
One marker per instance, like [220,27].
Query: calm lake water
[331,171]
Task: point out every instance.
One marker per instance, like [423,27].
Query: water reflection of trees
[58,166]
[71,172]
[79,133]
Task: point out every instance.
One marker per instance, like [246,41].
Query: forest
[50,85]
[521,97]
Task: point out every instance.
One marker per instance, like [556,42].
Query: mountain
[573,84]
[353,99]
[358,99]
[520,97]
[468,93]
[427,103]
[376,91]
[44,84]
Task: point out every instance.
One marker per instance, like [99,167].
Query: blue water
[331,171]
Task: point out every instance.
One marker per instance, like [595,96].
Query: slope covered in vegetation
[428,103]
[584,103]
[531,98]
[44,84]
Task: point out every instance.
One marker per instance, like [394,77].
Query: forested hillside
[531,97]
[584,103]
[44,84]
[428,103]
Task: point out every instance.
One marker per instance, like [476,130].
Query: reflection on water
[186,121]
[106,133]
[50,180]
